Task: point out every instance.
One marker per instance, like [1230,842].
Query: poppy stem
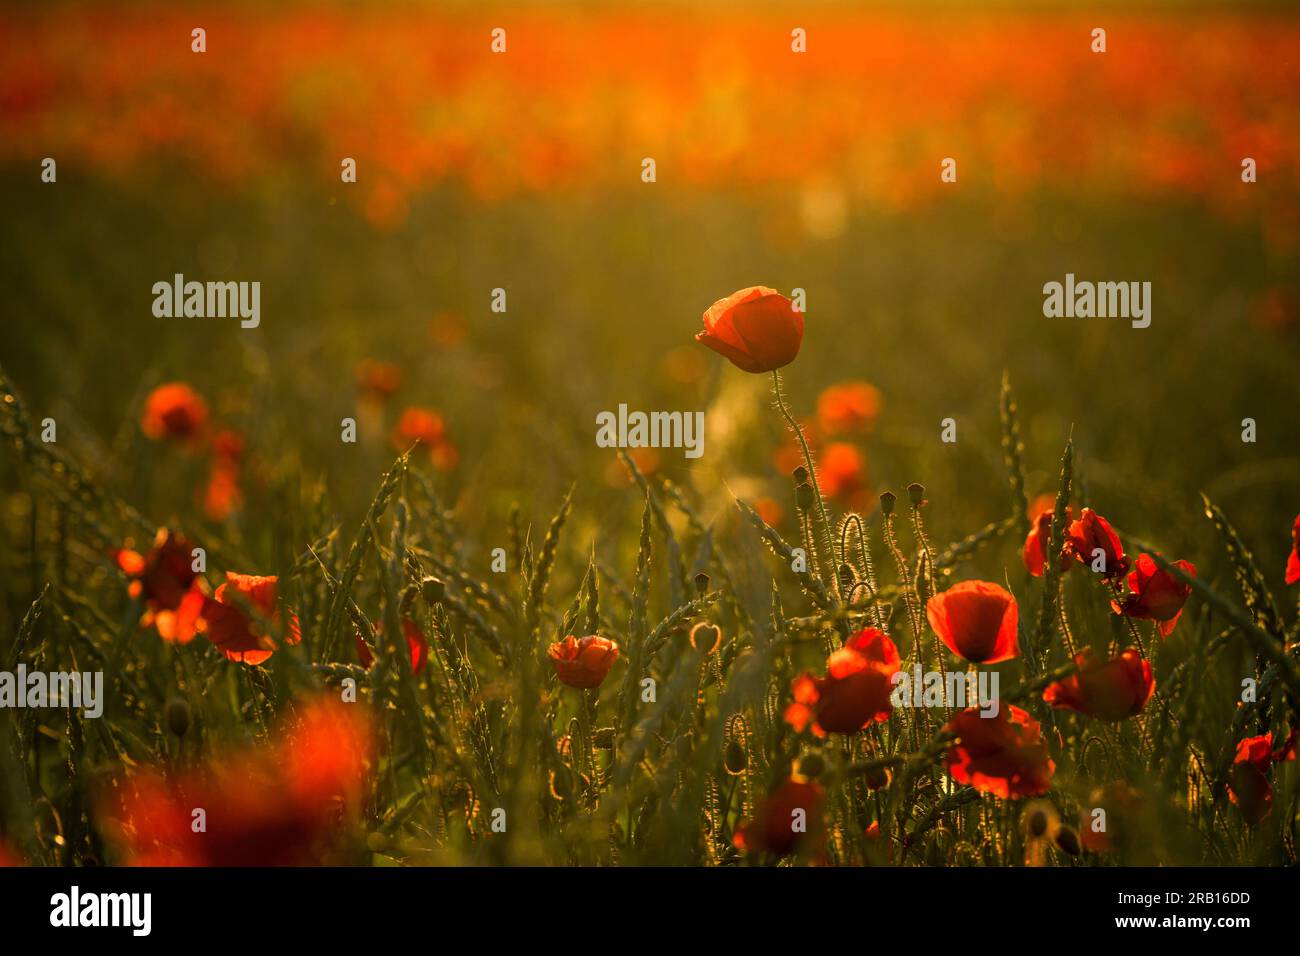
[825,541]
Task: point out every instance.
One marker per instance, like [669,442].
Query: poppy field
[588,435]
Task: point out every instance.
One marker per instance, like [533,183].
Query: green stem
[826,542]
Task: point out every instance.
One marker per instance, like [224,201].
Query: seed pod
[916,492]
[811,765]
[887,500]
[803,496]
[735,759]
[433,589]
[177,714]
[1037,823]
[1068,840]
[801,475]
[376,842]
[702,582]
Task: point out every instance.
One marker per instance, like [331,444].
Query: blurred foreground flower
[757,329]
[583,663]
[165,579]
[427,427]
[855,690]
[281,804]
[783,822]
[1112,690]
[1003,755]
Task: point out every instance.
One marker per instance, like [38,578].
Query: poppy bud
[803,496]
[811,765]
[801,475]
[1068,840]
[1037,823]
[887,502]
[177,713]
[433,589]
[735,759]
[377,842]
[916,492]
[702,582]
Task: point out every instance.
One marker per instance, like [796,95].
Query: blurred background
[523,170]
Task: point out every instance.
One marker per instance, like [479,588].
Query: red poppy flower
[415,643]
[783,822]
[757,329]
[583,663]
[977,620]
[1003,755]
[849,408]
[1112,690]
[377,379]
[1092,532]
[1122,825]
[1248,784]
[1293,562]
[842,473]
[1035,554]
[174,411]
[237,633]
[1154,593]
[275,805]
[419,424]
[855,690]
[166,581]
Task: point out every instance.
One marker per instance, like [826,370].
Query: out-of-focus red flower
[848,408]
[842,474]
[1113,690]
[977,621]
[785,821]
[1248,784]
[770,510]
[1003,755]
[447,329]
[1090,532]
[276,805]
[416,643]
[583,663]
[428,427]
[377,379]
[1035,554]
[175,412]
[1154,594]
[222,496]
[855,690]
[8,858]
[238,619]
[166,581]
[1122,823]
[757,329]
[1293,562]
